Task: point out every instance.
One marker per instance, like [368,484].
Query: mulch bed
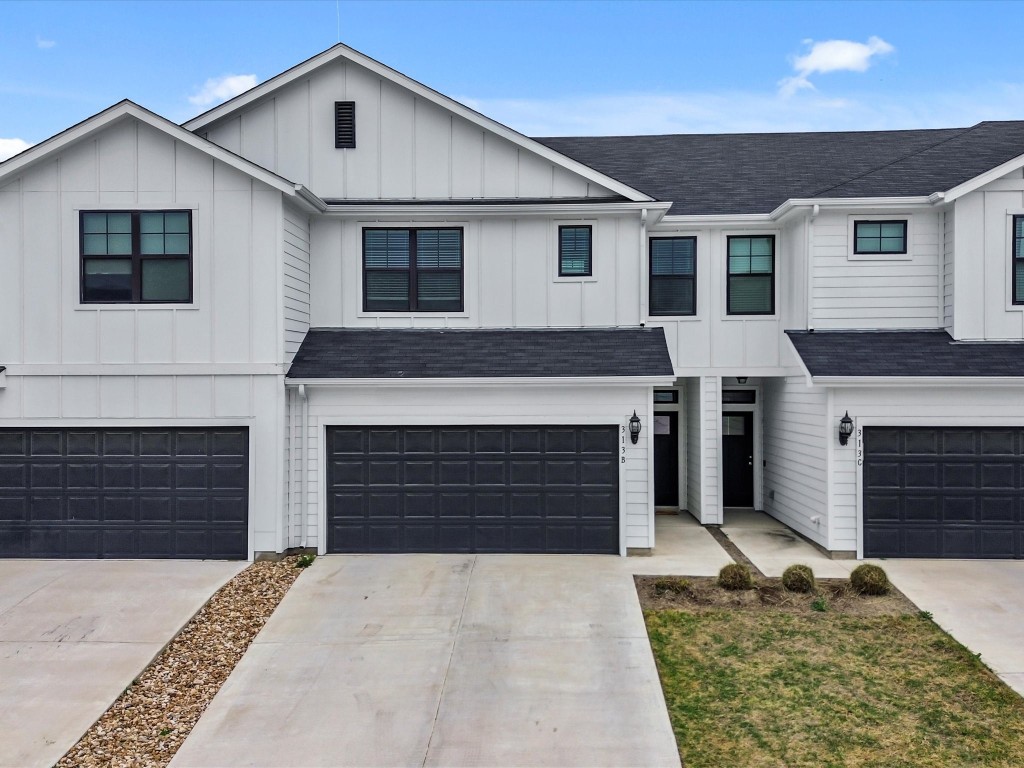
[150,720]
[702,594]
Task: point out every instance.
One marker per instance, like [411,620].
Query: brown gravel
[150,720]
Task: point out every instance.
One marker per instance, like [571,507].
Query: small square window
[575,251]
[881,237]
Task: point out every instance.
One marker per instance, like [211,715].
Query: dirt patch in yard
[702,594]
[150,720]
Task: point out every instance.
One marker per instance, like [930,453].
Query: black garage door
[124,493]
[943,492]
[473,489]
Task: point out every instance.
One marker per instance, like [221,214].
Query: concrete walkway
[455,660]
[74,634]
[979,602]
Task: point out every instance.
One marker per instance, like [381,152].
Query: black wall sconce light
[634,428]
[845,428]
[741,379]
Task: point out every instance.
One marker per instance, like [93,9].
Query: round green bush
[735,576]
[868,579]
[798,578]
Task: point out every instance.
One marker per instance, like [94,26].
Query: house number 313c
[622,437]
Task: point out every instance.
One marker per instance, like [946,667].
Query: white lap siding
[703,448]
[441,405]
[296,279]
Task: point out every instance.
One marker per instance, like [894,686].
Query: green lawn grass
[751,689]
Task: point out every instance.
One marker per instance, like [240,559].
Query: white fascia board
[919,381]
[901,203]
[672,222]
[128,109]
[445,102]
[457,210]
[800,361]
[507,381]
[979,181]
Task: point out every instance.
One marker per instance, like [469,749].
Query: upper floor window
[882,237]
[575,245]
[673,276]
[412,270]
[1018,259]
[136,257]
[750,288]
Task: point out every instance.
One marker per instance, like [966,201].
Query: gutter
[918,381]
[503,381]
[449,210]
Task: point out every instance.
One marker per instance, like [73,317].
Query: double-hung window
[673,276]
[750,286]
[412,270]
[575,251]
[136,257]
[1018,259]
[881,237]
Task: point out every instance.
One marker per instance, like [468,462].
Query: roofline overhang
[981,180]
[488,381]
[918,381]
[799,205]
[433,208]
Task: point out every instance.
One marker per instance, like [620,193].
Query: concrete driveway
[74,634]
[454,660]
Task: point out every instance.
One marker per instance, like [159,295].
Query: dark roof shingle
[756,172]
[373,353]
[924,353]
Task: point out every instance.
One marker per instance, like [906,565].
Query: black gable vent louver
[344,125]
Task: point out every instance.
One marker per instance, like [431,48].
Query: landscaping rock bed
[150,720]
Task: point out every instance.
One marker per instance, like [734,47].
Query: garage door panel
[524,441]
[489,440]
[973,509]
[125,493]
[922,443]
[383,441]
[13,476]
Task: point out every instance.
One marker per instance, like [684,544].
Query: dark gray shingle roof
[756,172]
[371,353]
[904,353]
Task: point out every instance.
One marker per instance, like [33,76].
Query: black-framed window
[135,257]
[750,286]
[1018,259]
[575,251]
[673,276]
[412,269]
[666,395]
[881,237]
[741,396]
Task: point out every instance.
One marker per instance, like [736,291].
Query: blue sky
[542,67]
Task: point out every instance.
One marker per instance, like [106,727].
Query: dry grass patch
[767,681]
[150,720]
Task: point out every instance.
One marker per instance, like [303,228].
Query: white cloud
[11,147]
[832,56]
[44,44]
[218,89]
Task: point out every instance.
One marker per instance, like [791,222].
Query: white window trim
[72,258]
[851,245]
[553,251]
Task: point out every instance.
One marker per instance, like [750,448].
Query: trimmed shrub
[798,578]
[868,579]
[671,585]
[735,576]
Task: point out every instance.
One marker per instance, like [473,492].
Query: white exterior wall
[443,405]
[982,271]
[690,423]
[948,267]
[713,341]
[406,147]
[796,455]
[510,275]
[905,406]
[214,362]
[295,279]
[852,291]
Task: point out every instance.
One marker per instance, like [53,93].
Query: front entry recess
[738,459]
[666,459]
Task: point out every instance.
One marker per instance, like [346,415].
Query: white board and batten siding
[440,406]
[795,453]
[982,268]
[407,147]
[213,362]
[857,292]
[510,275]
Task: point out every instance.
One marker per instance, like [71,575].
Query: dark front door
[738,459]
[124,493]
[944,492]
[473,489]
[666,459]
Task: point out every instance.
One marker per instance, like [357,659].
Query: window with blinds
[673,276]
[575,258]
[412,270]
[750,288]
[344,125]
[1018,259]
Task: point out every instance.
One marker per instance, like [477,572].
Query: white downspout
[303,473]
[815,210]
[289,405]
